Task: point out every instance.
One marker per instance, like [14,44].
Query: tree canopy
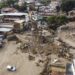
[67,5]
[56,21]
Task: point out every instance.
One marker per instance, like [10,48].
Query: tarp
[5,29]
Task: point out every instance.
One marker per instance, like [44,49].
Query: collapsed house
[17,20]
[19,25]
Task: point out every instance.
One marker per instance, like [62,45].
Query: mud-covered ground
[10,55]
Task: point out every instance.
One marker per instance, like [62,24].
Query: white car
[11,68]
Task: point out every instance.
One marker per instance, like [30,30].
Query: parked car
[11,68]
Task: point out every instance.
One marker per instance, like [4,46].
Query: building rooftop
[19,21]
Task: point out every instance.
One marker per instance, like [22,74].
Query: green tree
[56,21]
[67,5]
[60,20]
[45,2]
[51,20]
